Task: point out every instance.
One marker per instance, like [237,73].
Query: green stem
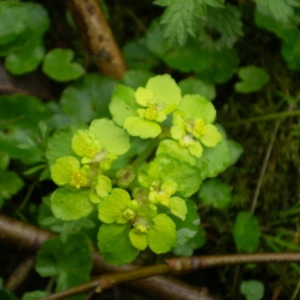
[267,117]
[145,154]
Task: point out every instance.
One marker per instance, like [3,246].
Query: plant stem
[27,236]
[267,117]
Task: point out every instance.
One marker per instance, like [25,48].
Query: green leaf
[4,161]
[114,244]
[112,206]
[214,160]
[9,13]
[253,79]
[196,242]
[252,289]
[136,78]
[196,86]
[87,98]
[215,193]
[113,138]
[70,262]
[123,104]
[26,59]
[236,150]
[162,234]
[187,228]
[68,205]
[59,145]
[180,18]
[178,207]
[58,65]
[142,128]
[38,20]
[227,22]
[137,55]
[35,295]
[21,111]
[246,232]
[291,49]
[10,184]
[281,10]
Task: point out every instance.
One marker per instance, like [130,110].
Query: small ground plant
[119,152]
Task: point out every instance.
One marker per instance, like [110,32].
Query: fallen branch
[98,37]
[23,235]
[175,266]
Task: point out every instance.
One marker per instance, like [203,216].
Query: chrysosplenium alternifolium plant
[140,169]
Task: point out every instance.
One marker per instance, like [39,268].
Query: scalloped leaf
[215,193]
[246,232]
[113,138]
[114,244]
[68,205]
[58,65]
[162,234]
[123,104]
[26,59]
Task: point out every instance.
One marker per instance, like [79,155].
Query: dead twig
[98,37]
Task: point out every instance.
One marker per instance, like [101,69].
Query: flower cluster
[139,202]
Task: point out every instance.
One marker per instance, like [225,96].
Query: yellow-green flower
[67,171]
[192,126]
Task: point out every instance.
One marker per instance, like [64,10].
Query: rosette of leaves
[80,172]
[131,225]
[192,129]
[141,112]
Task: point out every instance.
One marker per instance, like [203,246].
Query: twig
[20,273]
[98,37]
[24,235]
[175,266]
[264,167]
[267,117]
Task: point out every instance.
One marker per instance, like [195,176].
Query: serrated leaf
[281,10]
[58,65]
[70,262]
[178,207]
[215,193]
[253,79]
[246,232]
[252,289]
[227,22]
[162,234]
[114,244]
[68,205]
[87,98]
